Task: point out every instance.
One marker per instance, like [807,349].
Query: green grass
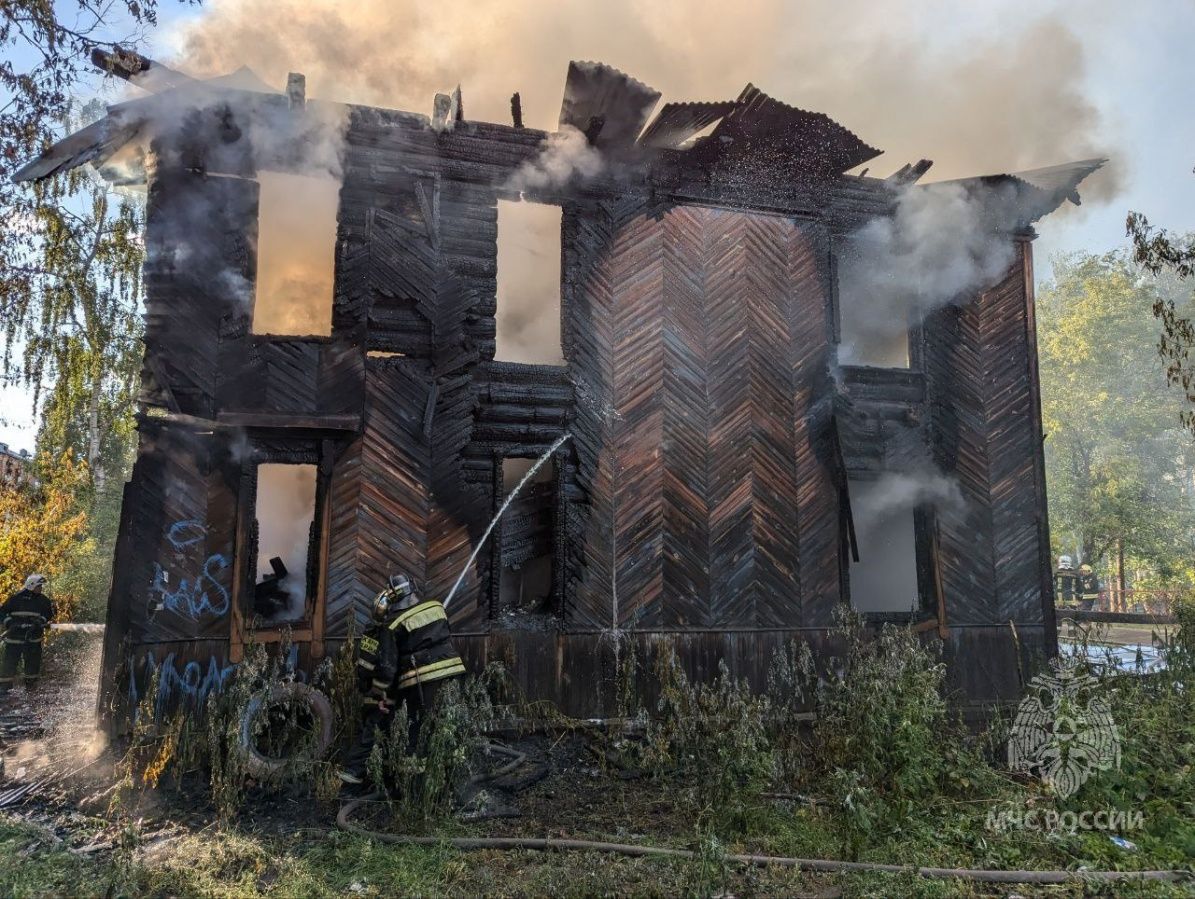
[896,781]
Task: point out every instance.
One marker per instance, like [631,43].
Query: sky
[912,76]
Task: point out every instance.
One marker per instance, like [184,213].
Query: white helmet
[1066,562]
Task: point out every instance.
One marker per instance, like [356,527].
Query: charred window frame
[281,452]
[531,217]
[840,322]
[297,226]
[924,525]
[512,529]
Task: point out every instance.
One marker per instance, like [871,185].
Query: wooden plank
[348,423]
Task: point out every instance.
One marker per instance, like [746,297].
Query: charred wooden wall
[700,501]
[696,337]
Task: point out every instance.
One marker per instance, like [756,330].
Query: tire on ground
[262,766]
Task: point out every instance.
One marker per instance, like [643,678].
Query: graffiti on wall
[194,682]
[195,593]
[191,685]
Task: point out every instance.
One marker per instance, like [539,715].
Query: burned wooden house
[326,384]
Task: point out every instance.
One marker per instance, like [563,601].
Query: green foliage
[422,778]
[1117,461]
[1155,719]
[66,253]
[712,739]
[883,742]
[43,528]
[1162,254]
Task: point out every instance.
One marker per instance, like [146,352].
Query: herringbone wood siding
[708,330]
[978,367]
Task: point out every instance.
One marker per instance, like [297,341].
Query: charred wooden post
[709,498]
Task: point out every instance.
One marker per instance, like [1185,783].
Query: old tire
[262,766]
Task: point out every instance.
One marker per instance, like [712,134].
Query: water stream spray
[494,521]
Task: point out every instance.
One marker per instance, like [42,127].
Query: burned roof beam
[146,73]
[910,174]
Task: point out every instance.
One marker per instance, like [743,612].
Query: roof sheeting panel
[1061,180]
[678,122]
[594,90]
[777,135]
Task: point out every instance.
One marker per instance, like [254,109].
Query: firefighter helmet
[398,595]
[1085,568]
[1066,562]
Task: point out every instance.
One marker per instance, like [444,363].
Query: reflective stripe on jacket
[377,662]
[25,615]
[424,641]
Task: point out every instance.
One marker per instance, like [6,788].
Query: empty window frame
[284,507]
[886,577]
[296,253]
[873,321]
[528,301]
[526,562]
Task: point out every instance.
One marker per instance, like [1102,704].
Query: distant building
[15,467]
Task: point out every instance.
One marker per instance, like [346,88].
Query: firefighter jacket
[1066,587]
[377,662]
[423,641]
[1089,586]
[25,616]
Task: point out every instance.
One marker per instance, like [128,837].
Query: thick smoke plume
[996,100]
[1005,98]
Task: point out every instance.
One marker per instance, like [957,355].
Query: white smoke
[943,243]
[285,512]
[903,491]
[566,155]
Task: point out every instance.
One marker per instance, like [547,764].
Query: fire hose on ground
[636,850]
[824,866]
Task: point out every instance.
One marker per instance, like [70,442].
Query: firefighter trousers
[14,652]
[373,720]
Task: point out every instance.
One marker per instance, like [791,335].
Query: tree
[1162,254]
[1120,467]
[44,63]
[43,528]
[79,321]
[70,256]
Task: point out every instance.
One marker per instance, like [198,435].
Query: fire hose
[636,850]
[825,866]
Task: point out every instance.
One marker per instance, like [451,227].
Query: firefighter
[377,662]
[25,616]
[427,660]
[406,657]
[1066,584]
[1089,588]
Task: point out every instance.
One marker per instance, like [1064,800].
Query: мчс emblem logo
[1063,730]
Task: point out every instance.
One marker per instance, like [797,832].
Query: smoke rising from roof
[1008,101]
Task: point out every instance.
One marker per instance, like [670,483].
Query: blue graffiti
[184,533]
[192,685]
[202,594]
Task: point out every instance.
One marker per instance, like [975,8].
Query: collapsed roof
[754,133]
